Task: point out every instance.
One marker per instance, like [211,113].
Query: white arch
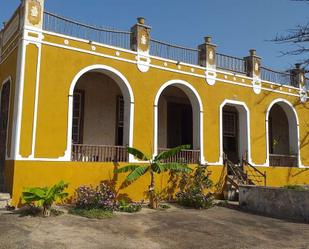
[291,116]
[244,120]
[127,93]
[197,108]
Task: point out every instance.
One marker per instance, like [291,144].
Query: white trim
[7,80]
[126,90]
[276,101]
[18,100]
[245,107]
[87,41]
[37,86]
[186,87]
[175,70]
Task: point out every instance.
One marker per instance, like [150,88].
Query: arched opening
[101,110]
[178,120]
[4,123]
[235,132]
[282,135]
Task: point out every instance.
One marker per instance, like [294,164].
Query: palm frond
[128,168]
[138,172]
[137,153]
[157,168]
[176,167]
[172,152]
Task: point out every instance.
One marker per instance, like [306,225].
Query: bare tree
[299,36]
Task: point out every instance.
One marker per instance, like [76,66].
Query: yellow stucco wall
[80,173]
[59,66]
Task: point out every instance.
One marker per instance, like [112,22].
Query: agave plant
[45,197]
[156,165]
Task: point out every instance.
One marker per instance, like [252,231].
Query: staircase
[5,199]
[237,175]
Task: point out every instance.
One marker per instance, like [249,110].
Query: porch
[113,153]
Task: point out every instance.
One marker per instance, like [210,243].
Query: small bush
[93,213]
[194,193]
[129,207]
[193,197]
[100,197]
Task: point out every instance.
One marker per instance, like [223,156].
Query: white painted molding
[143,62]
[127,93]
[237,105]
[290,113]
[211,76]
[197,108]
[257,85]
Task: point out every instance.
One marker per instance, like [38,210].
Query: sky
[235,25]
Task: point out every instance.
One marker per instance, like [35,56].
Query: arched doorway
[4,120]
[100,111]
[282,137]
[178,121]
[235,131]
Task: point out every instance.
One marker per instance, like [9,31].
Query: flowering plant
[102,197]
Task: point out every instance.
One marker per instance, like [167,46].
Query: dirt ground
[217,228]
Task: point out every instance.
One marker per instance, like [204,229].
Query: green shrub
[45,197]
[129,207]
[193,194]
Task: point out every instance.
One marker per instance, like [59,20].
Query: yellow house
[73,96]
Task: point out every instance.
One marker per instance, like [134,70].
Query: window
[78,117]
[119,120]
[229,124]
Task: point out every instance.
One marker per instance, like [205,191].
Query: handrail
[256,170]
[62,25]
[174,46]
[174,52]
[86,25]
[231,63]
[268,74]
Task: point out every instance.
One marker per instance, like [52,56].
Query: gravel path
[217,228]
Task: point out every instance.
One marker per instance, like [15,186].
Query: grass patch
[296,187]
[94,213]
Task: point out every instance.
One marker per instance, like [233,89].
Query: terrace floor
[217,227]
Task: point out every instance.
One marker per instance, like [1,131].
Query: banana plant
[154,166]
[45,197]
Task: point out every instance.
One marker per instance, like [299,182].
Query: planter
[275,202]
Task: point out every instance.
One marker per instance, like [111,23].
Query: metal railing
[283,160]
[65,26]
[173,52]
[231,63]
[184,156]
[99,153]
[117,38]
[283,78]
[254,174]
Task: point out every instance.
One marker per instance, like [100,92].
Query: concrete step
[5,199]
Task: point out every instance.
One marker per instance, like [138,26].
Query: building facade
[73,96]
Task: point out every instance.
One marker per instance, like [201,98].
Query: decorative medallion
[144,40]
[34,12]
[257,86]
[257,68]
[210,77]
[303,95]
[211,56]
[301,80]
